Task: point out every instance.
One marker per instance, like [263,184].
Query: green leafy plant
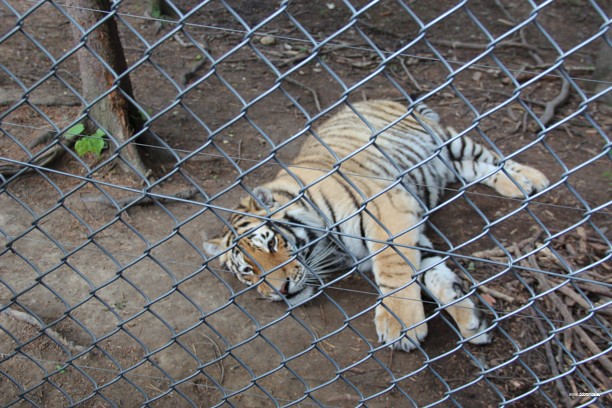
[89,144]
[76,130]
[156,11]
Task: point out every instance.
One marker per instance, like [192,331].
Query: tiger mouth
[292,295]
[285,290]
[300,293]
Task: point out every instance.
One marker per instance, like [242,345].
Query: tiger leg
[473,161]
[400,316]
[446,289]
[444,285]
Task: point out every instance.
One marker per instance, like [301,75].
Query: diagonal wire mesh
[106,296]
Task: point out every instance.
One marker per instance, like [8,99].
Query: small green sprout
[90,144]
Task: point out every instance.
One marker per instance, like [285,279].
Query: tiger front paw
[389,329]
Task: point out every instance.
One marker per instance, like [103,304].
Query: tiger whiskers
[324,260]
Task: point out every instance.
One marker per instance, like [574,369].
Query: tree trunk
[603,71]
[113,112]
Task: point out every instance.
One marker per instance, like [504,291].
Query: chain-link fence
[106,295]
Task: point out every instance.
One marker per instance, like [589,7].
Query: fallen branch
[580,301]
[568,318]
[549,110]
[596,289]
[562,308]
[591,371]
[31,320]
[45,138]
[123,202]
[239,153]
[552,363]
[496,252]
[10,96]
[361,64]
[372,27]
[43,159]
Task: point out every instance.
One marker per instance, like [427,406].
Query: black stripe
[351,194]
[382,285]
[366,170]
[242,224]
[452,152]
[283,192]
[331,210]
[308,251]
[477,155]
[310,233]
[378,162]
[292,219]
[316,164]
[427,197]
[288,231]
[235,218]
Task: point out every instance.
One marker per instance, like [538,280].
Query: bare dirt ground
[138,315]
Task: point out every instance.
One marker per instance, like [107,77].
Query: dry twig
[585,343]
[479,46]
[568,318]
[353,399]
[410,76]
[496,294]
[309,89]
[218,354]
[239,153]
[506,13]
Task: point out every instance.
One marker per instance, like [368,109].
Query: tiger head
[262,256]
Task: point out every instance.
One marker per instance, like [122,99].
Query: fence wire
[107,297]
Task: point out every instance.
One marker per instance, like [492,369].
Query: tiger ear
[264,195]
[213,247]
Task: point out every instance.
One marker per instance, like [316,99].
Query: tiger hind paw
[530,180]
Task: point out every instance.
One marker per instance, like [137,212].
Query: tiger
[356,198]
